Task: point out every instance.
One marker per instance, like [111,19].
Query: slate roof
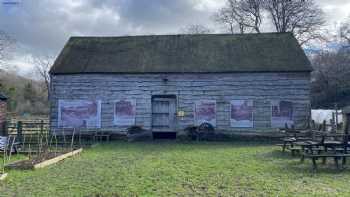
[201,53]
[2,97]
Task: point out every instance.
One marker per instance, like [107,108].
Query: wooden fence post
[346,124]
[41,130]
[336,116]
[313,124]
[41,126]
[332,121]
[4,129]
[19,130]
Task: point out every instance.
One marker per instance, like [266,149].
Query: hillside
[26,96]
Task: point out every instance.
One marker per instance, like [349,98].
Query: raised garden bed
[42,161]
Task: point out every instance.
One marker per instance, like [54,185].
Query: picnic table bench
[326,149]
[323,146]
[335,156]
[287,142]
[291,143]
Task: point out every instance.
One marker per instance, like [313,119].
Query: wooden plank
[326,155]
[13,165]
[57,159]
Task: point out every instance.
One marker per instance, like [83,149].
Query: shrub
[206,127]
[183,136]
[138,133]
[135,129]
[192,132]
[206,131]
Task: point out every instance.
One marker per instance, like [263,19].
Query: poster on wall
[124,112]
[79,113]
[282,113]
[241,113]
[205,112]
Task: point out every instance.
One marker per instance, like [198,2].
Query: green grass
[179,169]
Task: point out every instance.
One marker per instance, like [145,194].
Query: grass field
[179,169]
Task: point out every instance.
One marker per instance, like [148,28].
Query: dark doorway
[164,135]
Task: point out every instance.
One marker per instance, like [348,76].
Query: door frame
[174,125]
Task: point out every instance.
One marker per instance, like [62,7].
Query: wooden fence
[27,127]
[32,135]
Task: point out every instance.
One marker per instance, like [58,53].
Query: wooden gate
[163,113]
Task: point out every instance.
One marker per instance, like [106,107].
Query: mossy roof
[202,53]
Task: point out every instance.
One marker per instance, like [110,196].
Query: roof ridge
[194,35]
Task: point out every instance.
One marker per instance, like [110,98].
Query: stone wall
[224,87]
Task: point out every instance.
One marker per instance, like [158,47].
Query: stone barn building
[165,83]
[3,111]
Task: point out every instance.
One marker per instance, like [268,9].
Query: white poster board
[124,112]
[79,113]
[241,113]
[282,113]
[205,112]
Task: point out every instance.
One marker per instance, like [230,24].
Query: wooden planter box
[23,164]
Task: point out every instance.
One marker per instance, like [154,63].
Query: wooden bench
[335,156]
[98,136]
[299,146]
[295,149]
[287,142]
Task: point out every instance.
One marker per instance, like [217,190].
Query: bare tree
[331,77]
[302,17]
[6,42]
[345,31]
[252,11]
[244,14]
[42,65]
[195,29]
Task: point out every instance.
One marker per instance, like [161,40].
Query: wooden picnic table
[287,141]
[326,149]
[335,156]
[328,145]
[307,144]
[332,143]
[291,142]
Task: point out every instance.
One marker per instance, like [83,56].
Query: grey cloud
[44,26]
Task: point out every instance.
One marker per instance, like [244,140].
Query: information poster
[282,113]
[124,112]
[79,113]
[205,112]
[241,113]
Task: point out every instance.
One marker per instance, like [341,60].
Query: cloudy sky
[41,27]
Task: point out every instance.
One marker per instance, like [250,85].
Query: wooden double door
[163,113]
